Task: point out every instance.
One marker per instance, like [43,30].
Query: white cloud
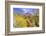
[25,11]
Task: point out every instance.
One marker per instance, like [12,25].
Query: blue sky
[25,10]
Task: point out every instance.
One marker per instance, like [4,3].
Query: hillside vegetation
[26,21]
